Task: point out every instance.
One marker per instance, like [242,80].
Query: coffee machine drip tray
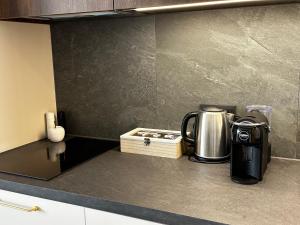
[195,158]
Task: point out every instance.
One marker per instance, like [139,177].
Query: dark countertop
[171,191]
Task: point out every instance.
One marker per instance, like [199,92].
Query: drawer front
[96,217]
[18,209]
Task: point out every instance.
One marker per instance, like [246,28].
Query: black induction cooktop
[45,160]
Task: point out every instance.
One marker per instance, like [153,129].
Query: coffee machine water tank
[250,151]
[264,109]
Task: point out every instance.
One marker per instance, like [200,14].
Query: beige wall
[26,83]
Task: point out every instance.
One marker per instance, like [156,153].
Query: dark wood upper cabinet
[132,4]
[51,7]
[10,9]
[203,4]
[19,8]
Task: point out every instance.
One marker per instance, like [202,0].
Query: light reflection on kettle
[54,150]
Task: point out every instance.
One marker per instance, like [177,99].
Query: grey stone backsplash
[113,75]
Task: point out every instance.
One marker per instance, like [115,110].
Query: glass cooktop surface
[45,160]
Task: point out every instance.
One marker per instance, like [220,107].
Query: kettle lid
[212,109]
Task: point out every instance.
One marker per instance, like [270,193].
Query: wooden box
[163,143]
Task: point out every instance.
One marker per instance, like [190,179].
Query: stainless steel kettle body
[211,133]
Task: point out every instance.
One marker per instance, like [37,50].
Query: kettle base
[195,158]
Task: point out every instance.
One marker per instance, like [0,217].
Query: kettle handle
[184,125]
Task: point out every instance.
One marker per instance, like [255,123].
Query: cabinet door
[50,7]
[97,217]
[13,206]
[19,8]
[131,4]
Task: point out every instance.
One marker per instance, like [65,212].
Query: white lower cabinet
[18,209]
[96,217]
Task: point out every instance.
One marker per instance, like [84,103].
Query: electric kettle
[212,136]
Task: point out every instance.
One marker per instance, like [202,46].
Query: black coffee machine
[251,151]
